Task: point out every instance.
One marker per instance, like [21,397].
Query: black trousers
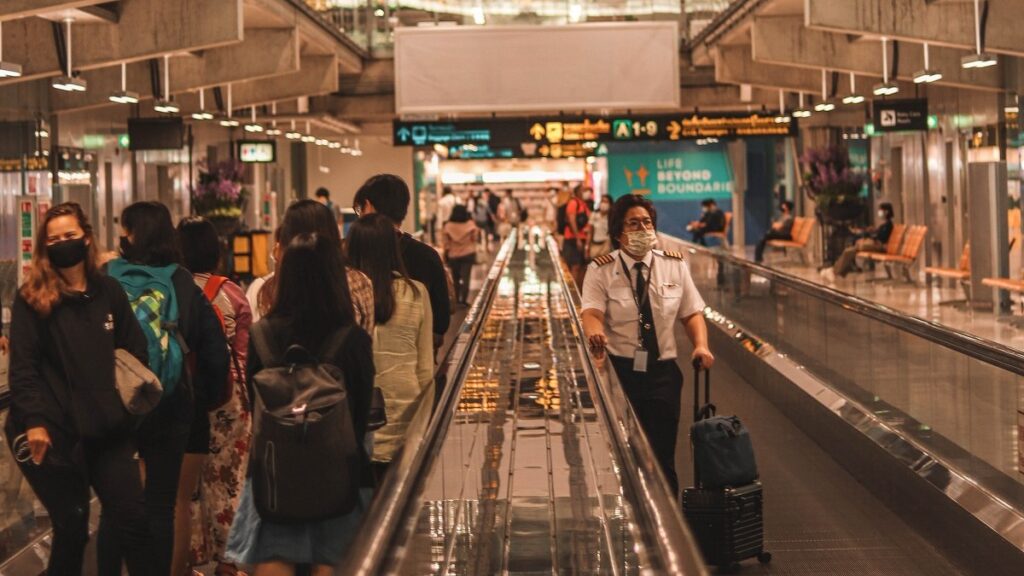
[109,468]
[161,442]
[655,396]
[462,270]
[770,235]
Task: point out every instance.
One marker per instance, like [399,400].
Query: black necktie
[648,335]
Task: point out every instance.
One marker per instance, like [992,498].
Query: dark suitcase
[727,522]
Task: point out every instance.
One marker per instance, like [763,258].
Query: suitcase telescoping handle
[708,409]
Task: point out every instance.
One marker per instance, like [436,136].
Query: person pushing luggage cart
[632,298]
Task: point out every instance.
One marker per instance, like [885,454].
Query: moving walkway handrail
[982,349]
[637,461]
[390,509]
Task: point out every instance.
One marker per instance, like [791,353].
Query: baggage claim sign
[564,137]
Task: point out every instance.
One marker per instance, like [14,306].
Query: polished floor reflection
[524,482]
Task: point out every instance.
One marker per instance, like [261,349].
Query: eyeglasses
[634,224]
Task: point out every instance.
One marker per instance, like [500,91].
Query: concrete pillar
[988,205]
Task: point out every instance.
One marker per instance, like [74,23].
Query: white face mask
[881,214]
[641,242]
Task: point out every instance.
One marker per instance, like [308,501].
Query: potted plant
[833,186]
[220,196]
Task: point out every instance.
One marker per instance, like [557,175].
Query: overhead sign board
[900,115]
[257,151]
[577,130]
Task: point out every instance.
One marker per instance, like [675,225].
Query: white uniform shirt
[607,289]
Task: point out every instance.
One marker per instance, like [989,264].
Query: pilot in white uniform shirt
[632,300]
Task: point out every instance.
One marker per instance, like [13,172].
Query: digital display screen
[257,151]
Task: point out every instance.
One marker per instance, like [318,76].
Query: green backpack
[151,293]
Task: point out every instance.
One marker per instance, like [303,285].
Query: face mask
[67,254]
[705,209]
[641,242]
[881,214]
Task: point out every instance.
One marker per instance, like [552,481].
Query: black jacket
[62,366]
[423,264]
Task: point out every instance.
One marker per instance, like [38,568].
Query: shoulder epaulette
[672,254]
[604,260]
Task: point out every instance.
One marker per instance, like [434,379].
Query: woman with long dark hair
[212,508]
[67,321]
[311,304]
[312,217]
[403,342]
[178,321]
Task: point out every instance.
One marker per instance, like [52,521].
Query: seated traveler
[866,240]
[712,219]
[782,229]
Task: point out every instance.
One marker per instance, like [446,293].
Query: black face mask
[126,246]
[67,254]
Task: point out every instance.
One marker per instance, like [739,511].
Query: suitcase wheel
[764,557]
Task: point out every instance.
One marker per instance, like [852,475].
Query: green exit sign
[123,141]
[933,121]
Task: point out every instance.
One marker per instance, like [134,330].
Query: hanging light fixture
[202,114]
[782,118]
[252,126]
[292,134]
[228,121]
[273,130]
[801,112]
[853,98]
[308,138]
[165,105]
[356,151]
[926,76]
[1012,104]
[886,88]
[124,95]
[345,148]
[69,82]
[824,105]
[979,59]
[479,18]
[7,69]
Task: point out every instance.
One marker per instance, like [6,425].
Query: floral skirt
[220,484]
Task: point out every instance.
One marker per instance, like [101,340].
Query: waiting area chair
[801,236]
[1014,287]
[723,236]
[912,243]
[961,274]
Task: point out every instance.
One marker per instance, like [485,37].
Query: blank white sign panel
[515,68]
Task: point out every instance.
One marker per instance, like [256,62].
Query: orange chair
[908,255]
[892,247]
[961,274]
[724,234]
[800,234]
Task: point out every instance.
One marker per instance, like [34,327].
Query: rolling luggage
[724,507]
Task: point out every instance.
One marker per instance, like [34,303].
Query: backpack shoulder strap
[336,342]
[213,285]
[261,340]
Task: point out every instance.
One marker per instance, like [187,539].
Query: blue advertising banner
[676,177]
[684,172]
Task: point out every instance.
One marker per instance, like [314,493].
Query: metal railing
[999,355]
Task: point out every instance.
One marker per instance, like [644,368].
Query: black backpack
[305,460]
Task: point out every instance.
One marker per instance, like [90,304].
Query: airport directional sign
[576,130]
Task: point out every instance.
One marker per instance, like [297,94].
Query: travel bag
[724,507]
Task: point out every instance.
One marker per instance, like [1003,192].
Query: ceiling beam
[785,41]
[318,76]
[947,24]
[264,54]
[16,9]
[147,29]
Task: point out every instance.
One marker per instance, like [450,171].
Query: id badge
[640,360]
